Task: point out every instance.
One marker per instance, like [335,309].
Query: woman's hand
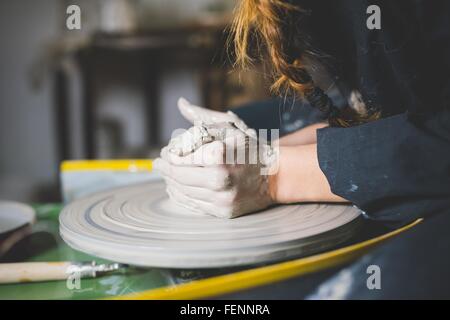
[217,167]
[218,186]
[199,115]
[303,136]
[299,177]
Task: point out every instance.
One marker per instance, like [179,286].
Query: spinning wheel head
[139,225]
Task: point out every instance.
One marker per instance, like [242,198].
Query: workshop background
[110,89]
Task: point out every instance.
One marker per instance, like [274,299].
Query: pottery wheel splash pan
[139,225]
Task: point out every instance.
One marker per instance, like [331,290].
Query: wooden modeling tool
[47,271]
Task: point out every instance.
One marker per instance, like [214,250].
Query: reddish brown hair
[273,26]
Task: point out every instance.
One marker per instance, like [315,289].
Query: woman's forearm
[299,177]
[303,136]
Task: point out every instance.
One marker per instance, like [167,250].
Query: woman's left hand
[206,182]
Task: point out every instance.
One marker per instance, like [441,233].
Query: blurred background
[110,89]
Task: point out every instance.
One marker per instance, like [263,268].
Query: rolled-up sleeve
[395,169]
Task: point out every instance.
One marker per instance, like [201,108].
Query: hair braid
[273,23]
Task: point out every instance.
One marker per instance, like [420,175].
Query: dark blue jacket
[397,168]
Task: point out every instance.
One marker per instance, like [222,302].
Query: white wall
[27,152]
[27,134]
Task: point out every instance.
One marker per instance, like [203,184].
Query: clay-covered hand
[196,115]
[202,118]
[205,182]
[218,168]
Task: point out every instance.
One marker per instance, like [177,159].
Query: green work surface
[45,244]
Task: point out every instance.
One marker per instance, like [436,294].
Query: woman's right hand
[299,177]
[303,136]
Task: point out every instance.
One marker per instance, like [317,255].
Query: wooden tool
[47,271]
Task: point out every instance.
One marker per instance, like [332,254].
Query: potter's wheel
[139,225]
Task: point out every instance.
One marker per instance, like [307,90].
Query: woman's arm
[303,136]
[395,169]
[299,177]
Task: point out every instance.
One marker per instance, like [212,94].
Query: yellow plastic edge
[113,165]
[220,285]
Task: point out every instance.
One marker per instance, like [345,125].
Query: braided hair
[274,26]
